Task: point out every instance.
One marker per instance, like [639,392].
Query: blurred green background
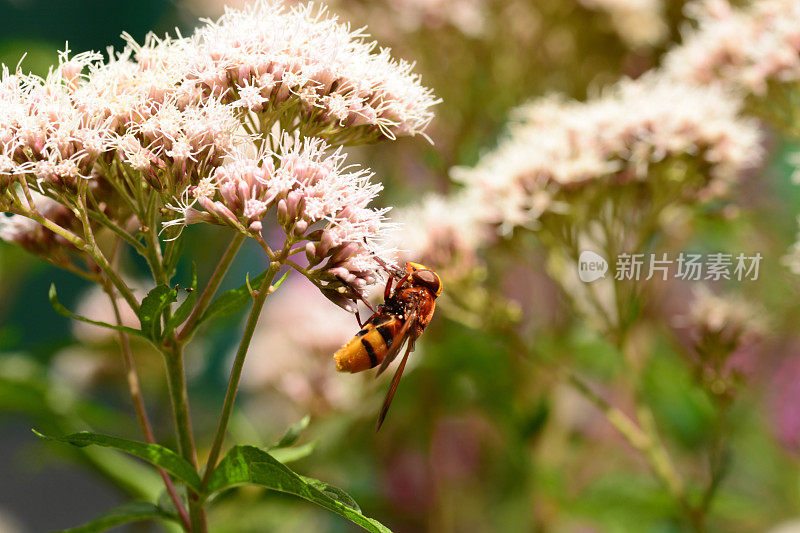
[479,438]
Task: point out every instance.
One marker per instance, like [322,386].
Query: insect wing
[393,388]
[397,343]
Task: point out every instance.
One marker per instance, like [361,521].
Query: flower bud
[343,253]
[325,243]
[283,212]
[311,254]
[300,227]
[293,203]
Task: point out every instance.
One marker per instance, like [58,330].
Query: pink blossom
[293,346]
[268,58]
[317,197]
[747,49]
[558,148]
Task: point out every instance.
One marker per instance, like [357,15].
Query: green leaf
[334,492]
[185,309]
[152,306]
[280,281]
[165,502]
[252,466]
[292,433]
[152,453]
[290,455]
[61,310]
[127,512]
[230,302]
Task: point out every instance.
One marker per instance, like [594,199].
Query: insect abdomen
[369,346]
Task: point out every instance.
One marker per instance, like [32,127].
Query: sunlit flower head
[630,133]
[43,133]
[174,146]
[318,199]
[746,48]
[302,64]
[158,127]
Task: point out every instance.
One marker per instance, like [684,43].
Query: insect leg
[358,296]
[388,290]
[392,271]
[402,280]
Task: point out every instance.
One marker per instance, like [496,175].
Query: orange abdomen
[369,346]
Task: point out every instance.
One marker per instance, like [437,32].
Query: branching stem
[238,364]
[135,391]
[211,288]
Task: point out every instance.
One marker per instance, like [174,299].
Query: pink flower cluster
[43,134]
[440,232]
[325,79]
[744,48]
[121,122]
[318,199]
[559,147]
[195,121]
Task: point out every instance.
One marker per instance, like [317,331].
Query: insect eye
[428,279]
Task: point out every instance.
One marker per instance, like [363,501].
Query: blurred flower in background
[639,22]
[292,354]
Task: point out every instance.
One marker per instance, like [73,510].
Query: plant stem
[139,406]
[179,398]
[655,454]
[89,248]
[211,289]
[236,370]
[153,248]
[176,379]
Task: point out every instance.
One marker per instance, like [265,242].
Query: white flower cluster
[743,48]
[235,119]
[440,232]
[559,147]
[302,61]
